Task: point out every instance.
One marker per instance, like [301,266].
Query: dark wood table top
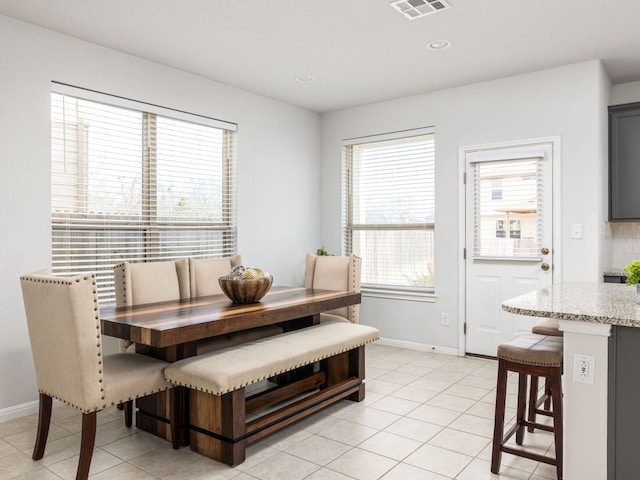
[171,323]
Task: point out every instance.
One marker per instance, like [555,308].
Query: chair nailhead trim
[121,268]
[116,402]
[353,308]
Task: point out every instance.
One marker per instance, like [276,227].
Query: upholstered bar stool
[549,327]
[528,355]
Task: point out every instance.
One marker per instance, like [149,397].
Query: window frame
[147,226]
[379,290]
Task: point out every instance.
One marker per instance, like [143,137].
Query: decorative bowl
[245,290]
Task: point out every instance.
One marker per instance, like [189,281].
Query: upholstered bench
[216,381]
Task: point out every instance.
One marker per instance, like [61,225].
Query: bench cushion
[223,371]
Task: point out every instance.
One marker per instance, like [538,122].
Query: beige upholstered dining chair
[151,282]
[148,282]
[64,328]
[203,275]
[335,273]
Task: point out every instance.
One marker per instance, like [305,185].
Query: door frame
[556,244]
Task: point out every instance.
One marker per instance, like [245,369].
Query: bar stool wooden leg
[547,398]
[555,384]
[536,403]
[522,405]
[498,426]
[533,400]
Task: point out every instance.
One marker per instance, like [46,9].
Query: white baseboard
[418,346]
[16,411]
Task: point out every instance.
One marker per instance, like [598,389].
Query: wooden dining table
[171,330]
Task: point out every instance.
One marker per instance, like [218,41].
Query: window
[389,210]
[509,226]
[137,182]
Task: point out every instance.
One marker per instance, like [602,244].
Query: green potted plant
[323,252]
[633,277]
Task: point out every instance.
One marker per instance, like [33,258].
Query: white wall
[278,167]
[566,101]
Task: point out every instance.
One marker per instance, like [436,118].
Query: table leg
[154,410]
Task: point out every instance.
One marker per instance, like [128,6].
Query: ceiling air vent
[413,9]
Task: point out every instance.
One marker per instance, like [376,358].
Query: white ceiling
[360,51]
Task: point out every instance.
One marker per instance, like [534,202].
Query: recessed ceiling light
[304,78]
[438,45]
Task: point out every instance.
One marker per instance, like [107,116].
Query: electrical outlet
[444,319]
[583,368]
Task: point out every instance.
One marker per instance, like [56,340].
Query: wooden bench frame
[218,425]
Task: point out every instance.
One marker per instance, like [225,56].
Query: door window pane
[507,224]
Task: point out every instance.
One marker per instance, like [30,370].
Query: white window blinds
[389,208]
[508,214]
[132,184]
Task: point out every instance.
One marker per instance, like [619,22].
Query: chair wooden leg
[44,420]
[555,384]
[87,443]
[498,426]
[128,413]
[522,404]
[120,406]
[533,400]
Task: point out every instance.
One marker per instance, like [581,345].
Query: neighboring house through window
[389,210]
[137,182]
[507,225]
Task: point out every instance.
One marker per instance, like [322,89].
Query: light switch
[576,230]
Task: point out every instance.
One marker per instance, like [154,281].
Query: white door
[509,238]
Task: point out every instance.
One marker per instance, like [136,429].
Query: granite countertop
[607,303]
[615,272]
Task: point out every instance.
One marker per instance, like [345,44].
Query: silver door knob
[544,266]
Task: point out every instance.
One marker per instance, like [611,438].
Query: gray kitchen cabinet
[624,162]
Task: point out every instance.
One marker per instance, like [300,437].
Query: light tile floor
[426,416]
